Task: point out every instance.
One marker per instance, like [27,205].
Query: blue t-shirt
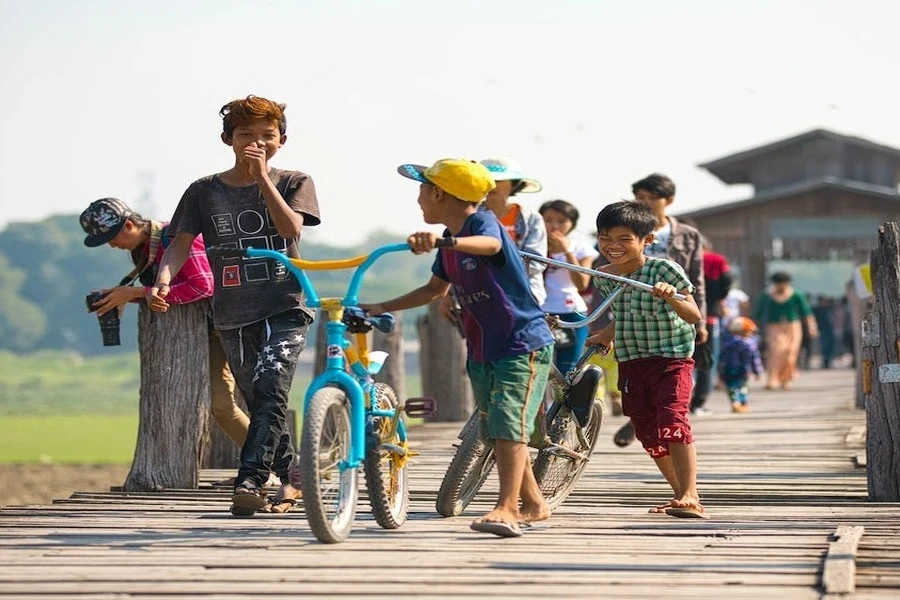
[500,316]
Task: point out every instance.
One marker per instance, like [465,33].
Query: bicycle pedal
[420,407]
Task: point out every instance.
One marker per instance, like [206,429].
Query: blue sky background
[588,95]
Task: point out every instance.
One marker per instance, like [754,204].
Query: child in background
[738,358]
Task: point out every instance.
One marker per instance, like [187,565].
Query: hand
[664,290]
[702,335]
[156,299]
[557,242]
[255,157]
[116,298]
[373,309]
[422,241]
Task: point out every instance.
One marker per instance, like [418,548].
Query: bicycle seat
[357,321]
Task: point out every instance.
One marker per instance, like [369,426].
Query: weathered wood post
[881,369]
[394,371]
[442,360]
[174,397]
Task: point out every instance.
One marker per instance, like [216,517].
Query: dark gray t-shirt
[247,290]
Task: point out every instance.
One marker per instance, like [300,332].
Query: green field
[60,407]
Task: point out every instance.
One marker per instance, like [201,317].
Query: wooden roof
[824,183]
[736,168]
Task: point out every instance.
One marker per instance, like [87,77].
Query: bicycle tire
[329,501]
[467,472]
[386,476]
[557,475]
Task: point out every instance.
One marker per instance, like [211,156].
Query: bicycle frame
[359,385]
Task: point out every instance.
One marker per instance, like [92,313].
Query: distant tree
[22,323]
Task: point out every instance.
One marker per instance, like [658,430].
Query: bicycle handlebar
[618,278]
[296,266]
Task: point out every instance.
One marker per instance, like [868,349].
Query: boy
[257,306]
[654,337]
[509,343]
[677,242]
[740,357]
[111,221]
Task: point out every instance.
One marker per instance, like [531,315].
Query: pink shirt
[194,281]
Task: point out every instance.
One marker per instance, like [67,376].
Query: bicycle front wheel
[556,470]
[386,473]
[467,472]
[329,488]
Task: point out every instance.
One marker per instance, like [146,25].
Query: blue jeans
[565,358]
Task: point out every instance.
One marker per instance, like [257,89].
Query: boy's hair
[633,216]
[781,277]
[566,208]
[657,184]
[250,109]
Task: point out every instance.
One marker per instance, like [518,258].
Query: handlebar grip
[444,242]
[383,323]
[223,252]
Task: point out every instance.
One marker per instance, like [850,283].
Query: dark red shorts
[656,394]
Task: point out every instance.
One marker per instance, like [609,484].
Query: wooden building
[818,196]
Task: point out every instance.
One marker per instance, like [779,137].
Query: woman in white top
[564,286]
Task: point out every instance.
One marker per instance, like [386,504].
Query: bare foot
[538,512]
[661,509]
[499,515]
[686,502]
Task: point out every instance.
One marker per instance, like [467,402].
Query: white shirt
[731,305]
[562,295]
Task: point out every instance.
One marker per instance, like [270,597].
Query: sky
[121,97]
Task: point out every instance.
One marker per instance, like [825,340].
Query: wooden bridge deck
[786,499]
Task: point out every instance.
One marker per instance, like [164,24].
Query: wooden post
[881,345]
[442,360]
[394,371]
[174,401]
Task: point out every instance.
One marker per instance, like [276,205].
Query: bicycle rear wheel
[386,474]
[556,471]
[329,489]
[467,472]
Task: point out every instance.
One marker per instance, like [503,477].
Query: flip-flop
[284,505]
[498,528]
[624,436]
[687,512]
[246,502]
[661,509]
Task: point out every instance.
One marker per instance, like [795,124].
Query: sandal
[280,504]
[624,436]
[246,502]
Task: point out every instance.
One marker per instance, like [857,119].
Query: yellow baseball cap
[460,177]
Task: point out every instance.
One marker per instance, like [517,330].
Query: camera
[109,322]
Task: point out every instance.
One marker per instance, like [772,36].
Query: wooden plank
[839,566]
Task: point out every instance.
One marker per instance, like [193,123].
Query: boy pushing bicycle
[257,306]
[510,346]
[654,338]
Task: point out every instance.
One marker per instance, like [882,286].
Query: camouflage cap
[103,220]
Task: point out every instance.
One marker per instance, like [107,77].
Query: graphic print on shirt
[253,227]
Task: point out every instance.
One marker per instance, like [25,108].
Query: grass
[60,407]
[68,439]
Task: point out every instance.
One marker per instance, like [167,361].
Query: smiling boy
[654,337]
[257,306]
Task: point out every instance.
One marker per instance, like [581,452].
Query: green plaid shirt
[647,326]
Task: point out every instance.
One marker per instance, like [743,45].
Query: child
[654,338]
[739,357]
[111,221]
[509,343]
[257,306]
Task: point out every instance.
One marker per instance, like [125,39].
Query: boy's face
[620,245]
[652,201]
[430,204]
[264,134]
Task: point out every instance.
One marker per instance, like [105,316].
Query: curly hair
[244,111]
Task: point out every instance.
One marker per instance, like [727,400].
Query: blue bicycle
[349,421]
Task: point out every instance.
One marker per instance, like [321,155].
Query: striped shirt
[647,326]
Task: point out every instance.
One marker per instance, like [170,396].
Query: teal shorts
[509,393]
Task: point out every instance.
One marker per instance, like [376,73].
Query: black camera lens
[109,322]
